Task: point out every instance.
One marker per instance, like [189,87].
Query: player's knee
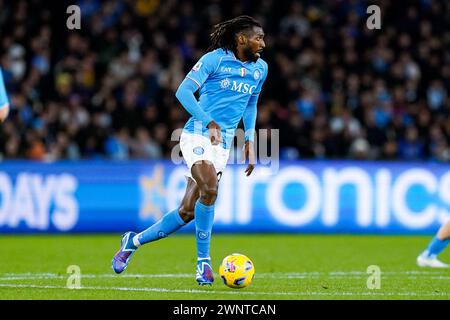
[187,214]
[208,194]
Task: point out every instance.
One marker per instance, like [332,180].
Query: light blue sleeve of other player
[250,111]
[3,96]
[194,81]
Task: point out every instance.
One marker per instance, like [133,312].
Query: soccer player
[428,258]
[4,104]
[229,79]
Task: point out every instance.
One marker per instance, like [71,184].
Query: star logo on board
[152,194]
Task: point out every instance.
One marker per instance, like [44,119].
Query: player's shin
[204,219]
[168,224]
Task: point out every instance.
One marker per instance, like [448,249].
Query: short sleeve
[3,96]
[263,79]
[206,66]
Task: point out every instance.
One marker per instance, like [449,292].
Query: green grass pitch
[287,267]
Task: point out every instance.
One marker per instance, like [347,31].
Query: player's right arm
[249,119]
[193,81]
[4,104]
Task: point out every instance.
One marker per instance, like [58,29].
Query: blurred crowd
[336,89]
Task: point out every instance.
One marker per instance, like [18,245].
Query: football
[237,271]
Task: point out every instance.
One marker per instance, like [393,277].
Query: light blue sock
[436,246]
[168,224]
[204,219]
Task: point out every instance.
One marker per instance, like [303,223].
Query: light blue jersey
[226,85]
[3,96]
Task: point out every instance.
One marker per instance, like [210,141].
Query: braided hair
[224,33]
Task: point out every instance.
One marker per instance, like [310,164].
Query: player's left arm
[249,119]
[4,103]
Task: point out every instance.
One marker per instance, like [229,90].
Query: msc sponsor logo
[237,86]
[242,87]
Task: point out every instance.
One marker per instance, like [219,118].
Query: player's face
[255,44]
